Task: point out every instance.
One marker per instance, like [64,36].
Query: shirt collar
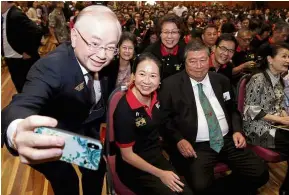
[83,70]
[274,79]
[205,81]
[5,13]
[165,53]
[134,103]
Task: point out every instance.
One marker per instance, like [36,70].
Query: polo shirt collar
[134,103]
[166,53]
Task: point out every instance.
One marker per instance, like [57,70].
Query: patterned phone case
[80,150]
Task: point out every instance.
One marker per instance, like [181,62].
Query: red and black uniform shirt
[136,126]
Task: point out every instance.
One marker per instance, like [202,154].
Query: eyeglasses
[173,32]
[109,51]
[224,49]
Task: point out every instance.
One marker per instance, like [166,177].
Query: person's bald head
[97,16]
[95,36]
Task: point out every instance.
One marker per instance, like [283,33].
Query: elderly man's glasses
[110,51]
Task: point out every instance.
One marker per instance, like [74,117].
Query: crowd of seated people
[182,66]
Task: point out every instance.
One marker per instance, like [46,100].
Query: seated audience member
[280,34]
[220,59]
[264,106]
[170,48]
[139,161]
[210,36]
[202,127]
[120,68]
[261,37]
[244,57]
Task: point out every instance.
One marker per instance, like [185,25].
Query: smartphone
[80,150]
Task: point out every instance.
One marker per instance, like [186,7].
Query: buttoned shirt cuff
[11,130]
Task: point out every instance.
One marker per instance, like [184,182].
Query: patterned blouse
[264,95]
[123,77]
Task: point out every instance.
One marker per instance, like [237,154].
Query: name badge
[226,96]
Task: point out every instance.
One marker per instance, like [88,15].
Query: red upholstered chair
[266,154]
[118,186]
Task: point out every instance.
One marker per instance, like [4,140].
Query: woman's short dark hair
[127,36]
[272,51]
[173,18]
[226,37]
[146,56]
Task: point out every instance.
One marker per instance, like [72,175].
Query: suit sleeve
[168,115]
[42,84]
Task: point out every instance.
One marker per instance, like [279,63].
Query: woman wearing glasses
[120,68]
[139,161]
[170,48]
[264,109]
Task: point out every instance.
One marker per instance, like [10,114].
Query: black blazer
[56,87]
[179,111]
[22,33]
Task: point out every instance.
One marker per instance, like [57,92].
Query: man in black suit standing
[203,127]
[20,40]
[66,89]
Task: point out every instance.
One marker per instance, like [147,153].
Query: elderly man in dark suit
[203,127]
[20,40]
[65,89]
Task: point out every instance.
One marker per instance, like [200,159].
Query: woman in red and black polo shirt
[139,161]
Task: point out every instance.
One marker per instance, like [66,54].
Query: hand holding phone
[34,148]
[80,150]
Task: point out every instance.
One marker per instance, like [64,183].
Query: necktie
[90,85]
[2,28]
[215,132]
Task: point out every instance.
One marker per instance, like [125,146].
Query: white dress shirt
[203,130]
[8,50]
[13,125]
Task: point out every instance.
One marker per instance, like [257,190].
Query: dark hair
[146,56]
[271,50]
[210,26]
[171,18]
[265,27]
[195,45]
[226,37]
[228,27]
[127,36]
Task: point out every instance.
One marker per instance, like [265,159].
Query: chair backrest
[241,92]
[118,186]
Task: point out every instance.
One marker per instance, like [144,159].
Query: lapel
[187,89]
[79,88]
[187,93]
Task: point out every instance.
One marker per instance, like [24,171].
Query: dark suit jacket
[22,33]
[56,87]
[179,111]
